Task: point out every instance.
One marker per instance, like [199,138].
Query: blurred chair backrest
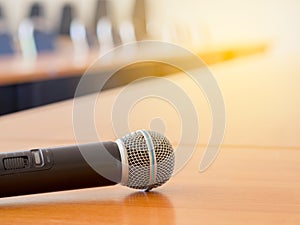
[106,32]
[101,10]
[6,40]
[139,19]
[1,13]
[36,10]
[44,39]
[68,14]
[6,44]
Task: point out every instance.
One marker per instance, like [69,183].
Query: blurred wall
[221,21]
[232,21]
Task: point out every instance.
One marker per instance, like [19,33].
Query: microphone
[140,160]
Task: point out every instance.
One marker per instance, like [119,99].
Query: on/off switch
[38,160]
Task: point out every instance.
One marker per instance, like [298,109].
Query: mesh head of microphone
[147,159]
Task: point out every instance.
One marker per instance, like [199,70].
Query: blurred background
[47,45]
[217,21]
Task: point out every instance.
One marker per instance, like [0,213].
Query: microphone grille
[149,159]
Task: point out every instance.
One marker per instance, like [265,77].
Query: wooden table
[30,82]
[65,63]
[255,179]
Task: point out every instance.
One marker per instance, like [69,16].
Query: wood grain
[244,186]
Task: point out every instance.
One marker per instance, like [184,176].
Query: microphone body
[57,169]
[139,160]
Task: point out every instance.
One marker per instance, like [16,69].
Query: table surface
[65,62]
[254,180]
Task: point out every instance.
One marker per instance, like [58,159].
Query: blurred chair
[105,35]
[36,10]
[34,33]
[104,27]
[127,32]
[67,17]
[44,40]
[6,44]
[1,13]
[73,31]
[6,40]
[79,39]
[43,37]
[139,19]
[101,10]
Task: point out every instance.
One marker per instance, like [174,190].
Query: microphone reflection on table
[137,208]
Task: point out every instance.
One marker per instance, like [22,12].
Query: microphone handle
[57,169]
